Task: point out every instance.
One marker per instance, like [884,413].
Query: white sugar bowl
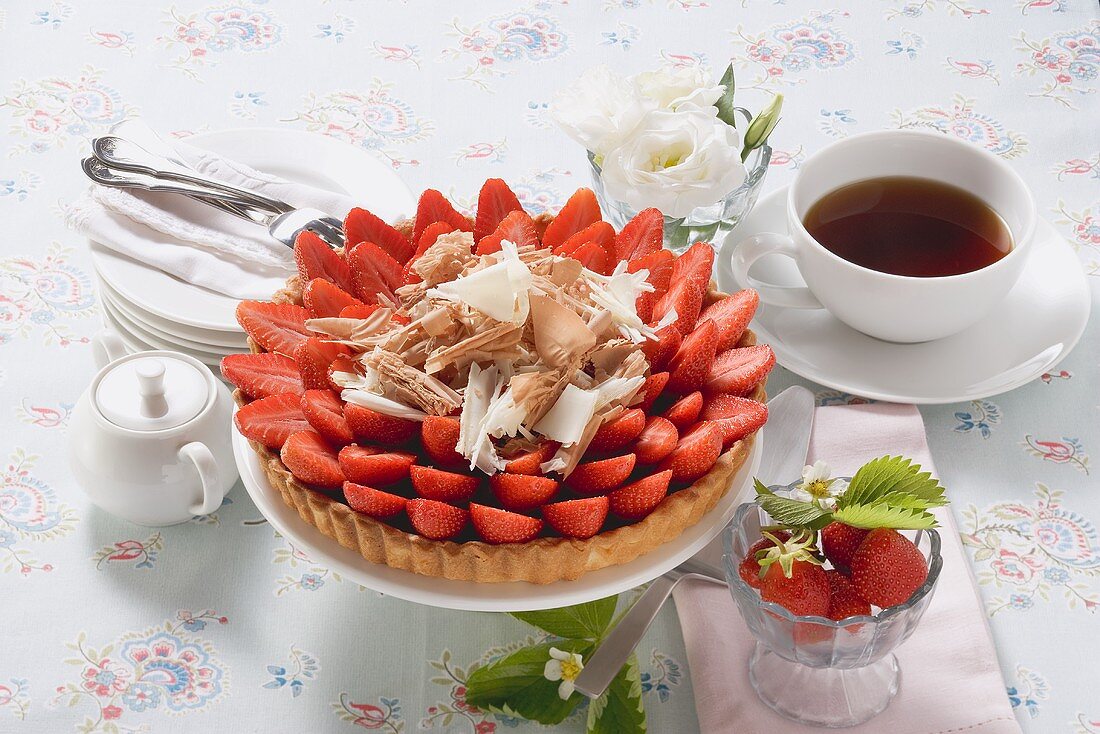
[149,440]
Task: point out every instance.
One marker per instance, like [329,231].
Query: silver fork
[284,223]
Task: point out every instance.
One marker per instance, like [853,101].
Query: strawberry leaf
[516,685]
[726,111]
[794,513]
[620,709]
[579,622]
[885,516]
[892,477]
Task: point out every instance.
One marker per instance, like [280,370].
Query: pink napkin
[950,679]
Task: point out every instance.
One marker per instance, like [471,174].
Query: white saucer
[149,341]
[292,154]
[1041,320]
[152,335]
[470,596]
[204,339]
[134,343]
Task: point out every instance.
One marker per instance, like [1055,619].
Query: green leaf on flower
[726,111]
[620,709]
[516,685]
[580,621]
[888,479]
[795,513]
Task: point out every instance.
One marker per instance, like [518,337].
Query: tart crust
[541,561]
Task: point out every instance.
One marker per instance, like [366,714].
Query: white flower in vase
[600,109]
[675,161]
[676,88]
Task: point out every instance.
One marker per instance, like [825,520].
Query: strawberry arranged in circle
[736,417]
[636,500]
[322,299]
[601,476]
[685,411]
[439,436]
[374,427]
[436,520]
[443,486]
[501,526]
[580,211]
[316,260]
[522,492]
[598,233]
[579,519]
[277,327]
[374,466]
[695,454]
[659,266]
[311,460]
[693,359]
[530,462]
[272,420]
[494,203]
[374,274]
[315,358]
[641,236]
[651,390]
[373,502]
[362,226]
[738,371]
[616,433]
[518,228]
[262,375]
[325,413]
[662,349]
[593,256]
[732,315]
[657,440]
[434,208]
[887,568]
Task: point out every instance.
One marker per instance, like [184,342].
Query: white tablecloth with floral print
[219,625]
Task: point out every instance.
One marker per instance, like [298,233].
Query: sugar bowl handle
[207,467]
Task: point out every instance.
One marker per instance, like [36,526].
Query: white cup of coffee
[890,306]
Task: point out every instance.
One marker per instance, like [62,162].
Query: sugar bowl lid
[152,391]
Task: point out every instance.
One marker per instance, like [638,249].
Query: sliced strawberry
[522,491]
[375,427]
[439,436]
[362,226]
[323,299]
[651,389]
[433,207]
[656,441]
[635,501]
[581,210]
[641,236]
[739,370]
[409,275]
[660,351]
[594,257]
[600,477]
[426,239]
[263,374]
[494,203]
[436,520]
[659,265]
[373,502]
[277,327]
[686,298]
[693,359]
[272,420]
[581,518]
[529,462]
[373,466]
[359,312]
[317,260]
[314,358]
[518,228]
[324,411]
[444,486]
[732,315]
[619,431]
[501,526]
[343,364]
[695,264]
[600,232]
[311,460]
[374,274]
[736,417]
[685,411]
[695,454]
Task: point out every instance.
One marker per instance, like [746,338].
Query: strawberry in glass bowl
[830,589]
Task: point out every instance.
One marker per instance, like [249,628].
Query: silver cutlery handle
[130,156]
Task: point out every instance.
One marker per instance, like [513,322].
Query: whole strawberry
[887,568]
[805,592]
[839,543]
[844,601]
[749,568]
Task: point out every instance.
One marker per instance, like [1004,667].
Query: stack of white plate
[153,310]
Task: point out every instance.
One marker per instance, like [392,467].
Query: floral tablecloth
[218,624]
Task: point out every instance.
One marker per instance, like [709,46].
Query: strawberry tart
[501,398]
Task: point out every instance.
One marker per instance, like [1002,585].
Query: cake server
[786,438]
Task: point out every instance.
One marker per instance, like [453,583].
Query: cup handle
[209,475]
[107,346]
[752,249]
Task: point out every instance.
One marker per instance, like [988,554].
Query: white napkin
[190,240]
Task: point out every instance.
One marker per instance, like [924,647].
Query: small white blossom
[563,666]
[818,486]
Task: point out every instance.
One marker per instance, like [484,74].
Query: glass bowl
[705,223]
[815,670]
